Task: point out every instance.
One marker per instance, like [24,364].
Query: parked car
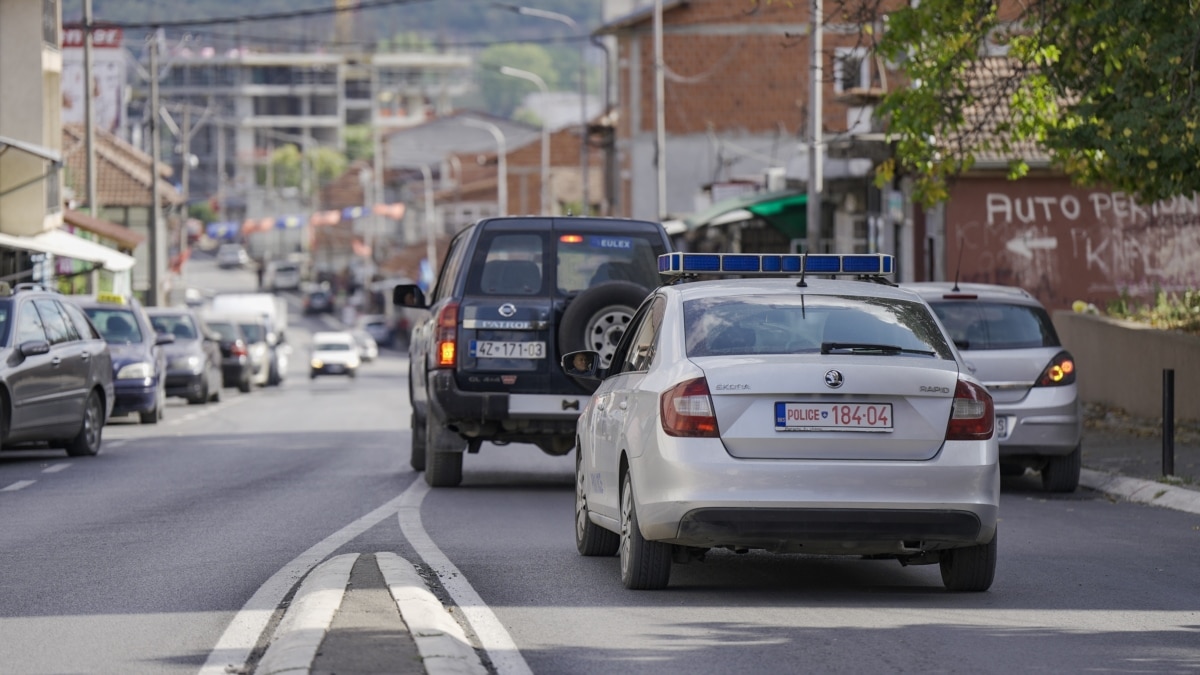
[282,275]
[193,359]
[1008,341]
[231,256]
[368,350]
[318,300]
[333,353]
[236,368]
[138,361]
[55,372]
[821,416]
[513,294]
[376,325]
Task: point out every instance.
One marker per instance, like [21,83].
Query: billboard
[108,78]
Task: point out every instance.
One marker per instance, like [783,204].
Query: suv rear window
[516,263]
[996,325]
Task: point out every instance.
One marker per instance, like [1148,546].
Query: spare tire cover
[596,319]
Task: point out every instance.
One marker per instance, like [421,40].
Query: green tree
[503,94]
[360,144]
[287,166]
[1107,87]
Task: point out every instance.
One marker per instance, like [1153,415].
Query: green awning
[785,211]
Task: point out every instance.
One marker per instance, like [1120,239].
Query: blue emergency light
[774,264]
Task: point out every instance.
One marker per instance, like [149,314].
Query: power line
[250,18]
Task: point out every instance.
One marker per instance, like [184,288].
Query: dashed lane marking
[18,485]
[55,468]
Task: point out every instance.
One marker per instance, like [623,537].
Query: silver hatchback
[1008,341]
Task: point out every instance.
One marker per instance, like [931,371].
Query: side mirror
[34,347]
[583,364]
[409,295]
[164,338]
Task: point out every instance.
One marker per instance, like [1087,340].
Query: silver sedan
[796,415]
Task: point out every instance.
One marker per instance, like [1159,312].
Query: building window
[851,69]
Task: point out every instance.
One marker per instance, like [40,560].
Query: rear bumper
[1047,422]
[501,415]
[700,496]
[235,371]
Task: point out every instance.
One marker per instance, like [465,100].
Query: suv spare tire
[596,319]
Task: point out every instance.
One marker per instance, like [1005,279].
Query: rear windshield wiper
[869,348]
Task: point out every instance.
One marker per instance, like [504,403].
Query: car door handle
[84,355]
[55,361]
[623,405]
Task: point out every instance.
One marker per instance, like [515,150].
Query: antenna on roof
[958,265]
[803,269]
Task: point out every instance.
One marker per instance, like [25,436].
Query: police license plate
[488,349]
[792,416]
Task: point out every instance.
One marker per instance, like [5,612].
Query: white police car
[797,414]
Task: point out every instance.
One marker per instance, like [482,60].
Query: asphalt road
[139,560]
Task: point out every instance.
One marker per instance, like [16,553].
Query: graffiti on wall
[1063,243]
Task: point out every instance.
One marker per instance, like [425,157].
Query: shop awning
[785,211]
[67,245]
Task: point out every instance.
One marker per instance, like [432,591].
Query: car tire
[87,442]
[970,569]
[1061,474]
[153,416]
[590,538]
[273,378]
[443,460]
[645,565]
[202,398]
[597,318]
[245,385]
[417,457]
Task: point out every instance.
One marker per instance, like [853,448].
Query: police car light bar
[774,264]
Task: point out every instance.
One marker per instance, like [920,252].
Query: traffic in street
[178,548]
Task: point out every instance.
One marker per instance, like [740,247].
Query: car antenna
[803,268]
[958,265]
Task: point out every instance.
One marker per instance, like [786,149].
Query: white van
[272,312]
[282,275]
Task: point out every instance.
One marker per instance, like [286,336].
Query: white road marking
[56,467]
[18,485]
[308,617]
[492,635]
[233,648]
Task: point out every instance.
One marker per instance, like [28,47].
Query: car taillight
[447,336]
[972,415]
[687,410]
[1060,372]
[238,349]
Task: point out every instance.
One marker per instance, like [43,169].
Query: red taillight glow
[571,239]
[1060,372]
[687,410]
[238,349]
[447,336]
[972,415]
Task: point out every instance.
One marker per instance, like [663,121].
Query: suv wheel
[443,454]
[417,459]
[596,318]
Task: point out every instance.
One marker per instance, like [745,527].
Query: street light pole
[545,180]
[583,120]
[815,148]
[154,239]
[501,161]
[430,231]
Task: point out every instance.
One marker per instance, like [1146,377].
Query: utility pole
[153,298]
[816,148]
[89,109]
[660,117]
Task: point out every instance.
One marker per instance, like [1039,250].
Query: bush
[1169,311]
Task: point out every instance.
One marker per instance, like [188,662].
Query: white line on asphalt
[492,635]
[55,468]
[232,650]
[308,618]
[18,485]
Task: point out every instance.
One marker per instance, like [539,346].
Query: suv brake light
[447,336]
[238,349]
[1059,373]
[687,410]
[972,415]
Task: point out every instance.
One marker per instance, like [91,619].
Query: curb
[443,644]
[440,640]
[1142,491]
[308,618]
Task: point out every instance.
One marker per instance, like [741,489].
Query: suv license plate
[790,416]
[508,350]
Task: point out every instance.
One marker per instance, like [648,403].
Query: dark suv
[56,378]
[513,295]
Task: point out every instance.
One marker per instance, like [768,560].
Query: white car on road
[794,414]
[334,353]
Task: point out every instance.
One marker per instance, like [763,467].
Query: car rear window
[516,263]
[996,325]
[773,324]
